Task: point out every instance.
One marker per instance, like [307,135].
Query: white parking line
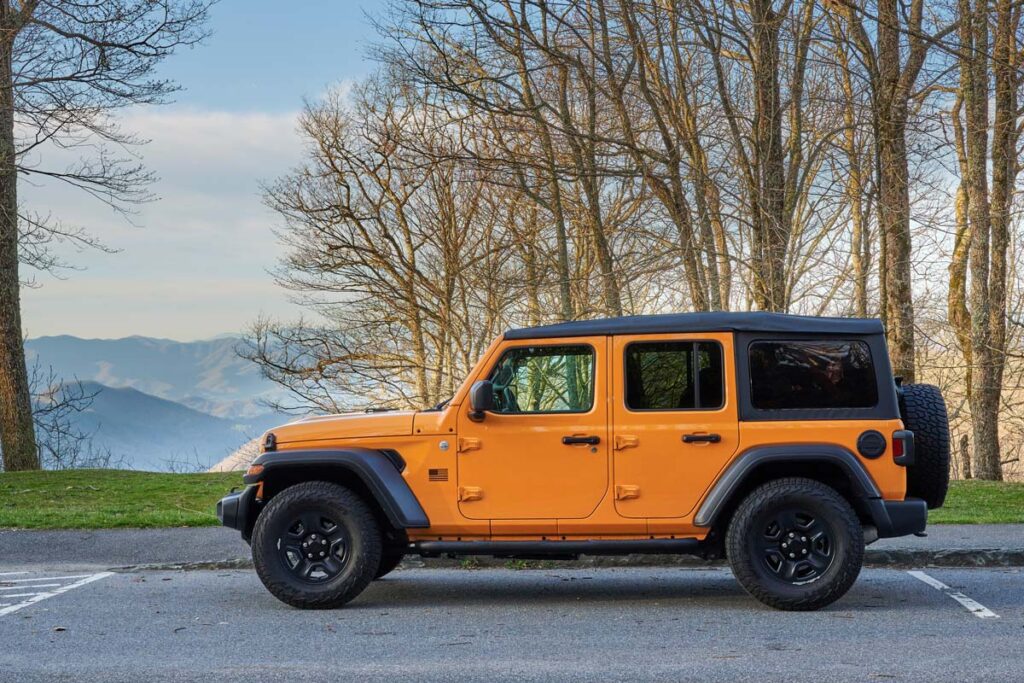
[38,597]
[12,573]
[21,588]
[974,607]
[44,578]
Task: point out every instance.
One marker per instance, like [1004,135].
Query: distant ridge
[208,374]
[163,403]
[151,433]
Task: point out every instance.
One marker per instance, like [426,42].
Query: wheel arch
[373,474]
[830,464]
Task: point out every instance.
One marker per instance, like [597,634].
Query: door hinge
[623,441]
[626,491]
[467,443]
[467,493]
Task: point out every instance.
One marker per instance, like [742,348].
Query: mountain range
[161,403]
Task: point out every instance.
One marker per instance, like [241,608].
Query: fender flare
[745,464]
[375,469]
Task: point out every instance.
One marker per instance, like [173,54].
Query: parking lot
[539,624]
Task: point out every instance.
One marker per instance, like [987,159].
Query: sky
[194,264]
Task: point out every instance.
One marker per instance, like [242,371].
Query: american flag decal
[440,474]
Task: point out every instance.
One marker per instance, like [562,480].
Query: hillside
[152,433]
[205,375]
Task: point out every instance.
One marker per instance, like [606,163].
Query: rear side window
[674,376]
[800,375]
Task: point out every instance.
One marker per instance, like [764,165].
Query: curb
[980,557]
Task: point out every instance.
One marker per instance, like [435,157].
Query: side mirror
[481,399]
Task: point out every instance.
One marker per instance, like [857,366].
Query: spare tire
[924,412]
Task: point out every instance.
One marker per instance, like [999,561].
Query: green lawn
[99,499]
[981,502]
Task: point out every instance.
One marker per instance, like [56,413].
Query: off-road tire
[389,562]
[825,504]
[345,508]
[924,412]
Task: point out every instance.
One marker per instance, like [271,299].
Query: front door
[675,420]
[543,452]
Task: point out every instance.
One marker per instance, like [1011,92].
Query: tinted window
[544,379]
[661,376]
[811,374]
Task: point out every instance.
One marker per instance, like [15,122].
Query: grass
[981,502]
[104,499]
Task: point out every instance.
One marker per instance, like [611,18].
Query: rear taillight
[903,447]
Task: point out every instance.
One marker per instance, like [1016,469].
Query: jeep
[780,442]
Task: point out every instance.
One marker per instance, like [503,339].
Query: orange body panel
[670,476]
[890,478]
[510,476]
[523,469]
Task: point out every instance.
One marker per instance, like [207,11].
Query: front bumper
[899,517]
[234,510]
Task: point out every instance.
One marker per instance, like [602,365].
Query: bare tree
[589,157]
[394,245]
[985,58]
[62,444]
[892,75]
[64,69]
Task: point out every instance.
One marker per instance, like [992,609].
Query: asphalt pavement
[638,623]
[952,544]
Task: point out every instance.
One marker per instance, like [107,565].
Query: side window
[787,375]
[544,379]
[674,376]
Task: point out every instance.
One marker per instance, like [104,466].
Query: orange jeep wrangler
[781,442]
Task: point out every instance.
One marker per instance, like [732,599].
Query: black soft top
[702,322]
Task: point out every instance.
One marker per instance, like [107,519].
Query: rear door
[674,420]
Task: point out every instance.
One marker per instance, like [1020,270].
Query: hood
[348,426]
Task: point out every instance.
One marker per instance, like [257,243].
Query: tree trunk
[860,242]
[957,314]
[894,224]
[17,431]
[987,289]
[990,219]
[965,456]
[956,299]
[772,226]
[891,90]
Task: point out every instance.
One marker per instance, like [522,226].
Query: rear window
[801,375]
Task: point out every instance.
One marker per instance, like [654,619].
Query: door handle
[701,438]
[573,440]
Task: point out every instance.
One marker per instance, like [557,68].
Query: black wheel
[924,412]
[795,544]
[316,545]
[389,562]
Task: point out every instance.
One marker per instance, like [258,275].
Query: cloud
[197,257]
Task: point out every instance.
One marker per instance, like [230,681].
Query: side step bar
[557,549]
